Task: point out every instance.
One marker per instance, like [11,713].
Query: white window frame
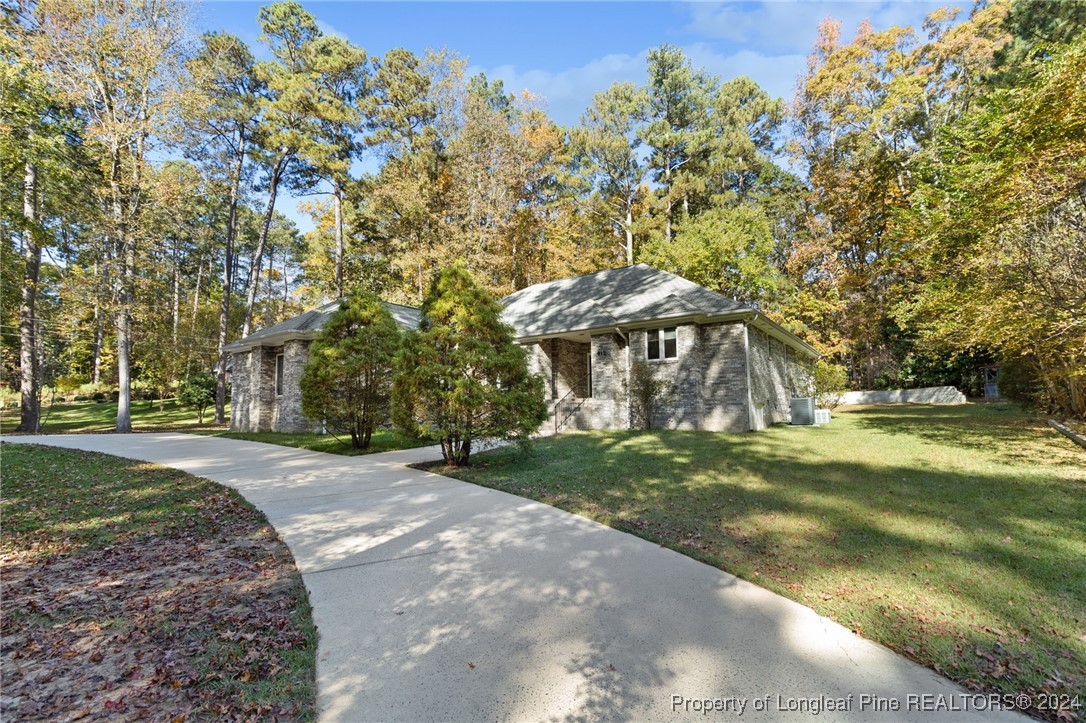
[280,373]
[660,337]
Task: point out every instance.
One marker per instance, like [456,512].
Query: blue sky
[567,51]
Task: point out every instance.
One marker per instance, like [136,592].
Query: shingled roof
[631,296]
[306,326]
[616,297]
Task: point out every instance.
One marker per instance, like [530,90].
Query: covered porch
[584,377]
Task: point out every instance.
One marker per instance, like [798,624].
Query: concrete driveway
[440,600]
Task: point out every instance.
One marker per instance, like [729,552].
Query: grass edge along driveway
[955,535]
[135,591]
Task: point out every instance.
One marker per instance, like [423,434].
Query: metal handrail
[558,405]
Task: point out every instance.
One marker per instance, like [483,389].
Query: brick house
[727,366]
[266,395]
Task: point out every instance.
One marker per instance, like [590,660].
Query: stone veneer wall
[239,391]
[288,408]
[253,402]
[771,363]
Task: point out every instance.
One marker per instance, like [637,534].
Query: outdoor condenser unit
[803,410]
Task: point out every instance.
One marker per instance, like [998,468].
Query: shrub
[461,377]
[68,384]
[347,381]
[649,395]
[830,382]
[198,390]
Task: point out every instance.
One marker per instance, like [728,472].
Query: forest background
[917,211]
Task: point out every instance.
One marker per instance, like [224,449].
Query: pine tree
[461,377]
[348,379]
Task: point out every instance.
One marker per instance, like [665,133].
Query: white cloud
[793,26]
[569,92]
[776,74]
[330,30]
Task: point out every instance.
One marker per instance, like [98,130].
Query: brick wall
[254,405]
[683,374]
[724,384]
[539,364]
[770,381]
[570,360]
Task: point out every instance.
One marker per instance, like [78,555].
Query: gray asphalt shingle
[616,297]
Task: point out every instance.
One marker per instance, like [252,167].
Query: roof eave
[276,339]
[781,334]
[699,318]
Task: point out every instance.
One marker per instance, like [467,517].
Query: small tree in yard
[198,390]
[347,381]
[648,395]
[460,377]
[830,382]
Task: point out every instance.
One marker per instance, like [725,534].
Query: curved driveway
[439,600]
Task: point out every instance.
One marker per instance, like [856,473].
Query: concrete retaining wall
[927,395]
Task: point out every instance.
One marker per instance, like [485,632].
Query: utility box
[822,416]
[803,411]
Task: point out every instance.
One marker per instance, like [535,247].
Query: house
[267,368]
[727,367]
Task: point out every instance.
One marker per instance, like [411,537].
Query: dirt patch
[207,622]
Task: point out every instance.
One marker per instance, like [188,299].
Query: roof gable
[616,297]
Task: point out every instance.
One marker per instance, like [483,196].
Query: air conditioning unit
[822,416]
[803,410]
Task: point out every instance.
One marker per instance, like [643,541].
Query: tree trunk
[227,286]
[124,346]
[101,281]
[258,254]
[124,280]
[176,292]
[670,203]
[30,409]
[196,295]
[628,228]
[337,205]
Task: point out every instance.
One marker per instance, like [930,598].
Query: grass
[383,440]
[955,535]
[72,417]
[90,416]
[125,571]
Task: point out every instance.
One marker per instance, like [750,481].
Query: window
[661,344]
[278,375]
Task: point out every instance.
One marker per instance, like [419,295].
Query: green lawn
[145,591]
[955,535]
[148,417]
[91,416]
[383,440]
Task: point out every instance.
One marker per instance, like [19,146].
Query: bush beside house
[347,381]
[461,377]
